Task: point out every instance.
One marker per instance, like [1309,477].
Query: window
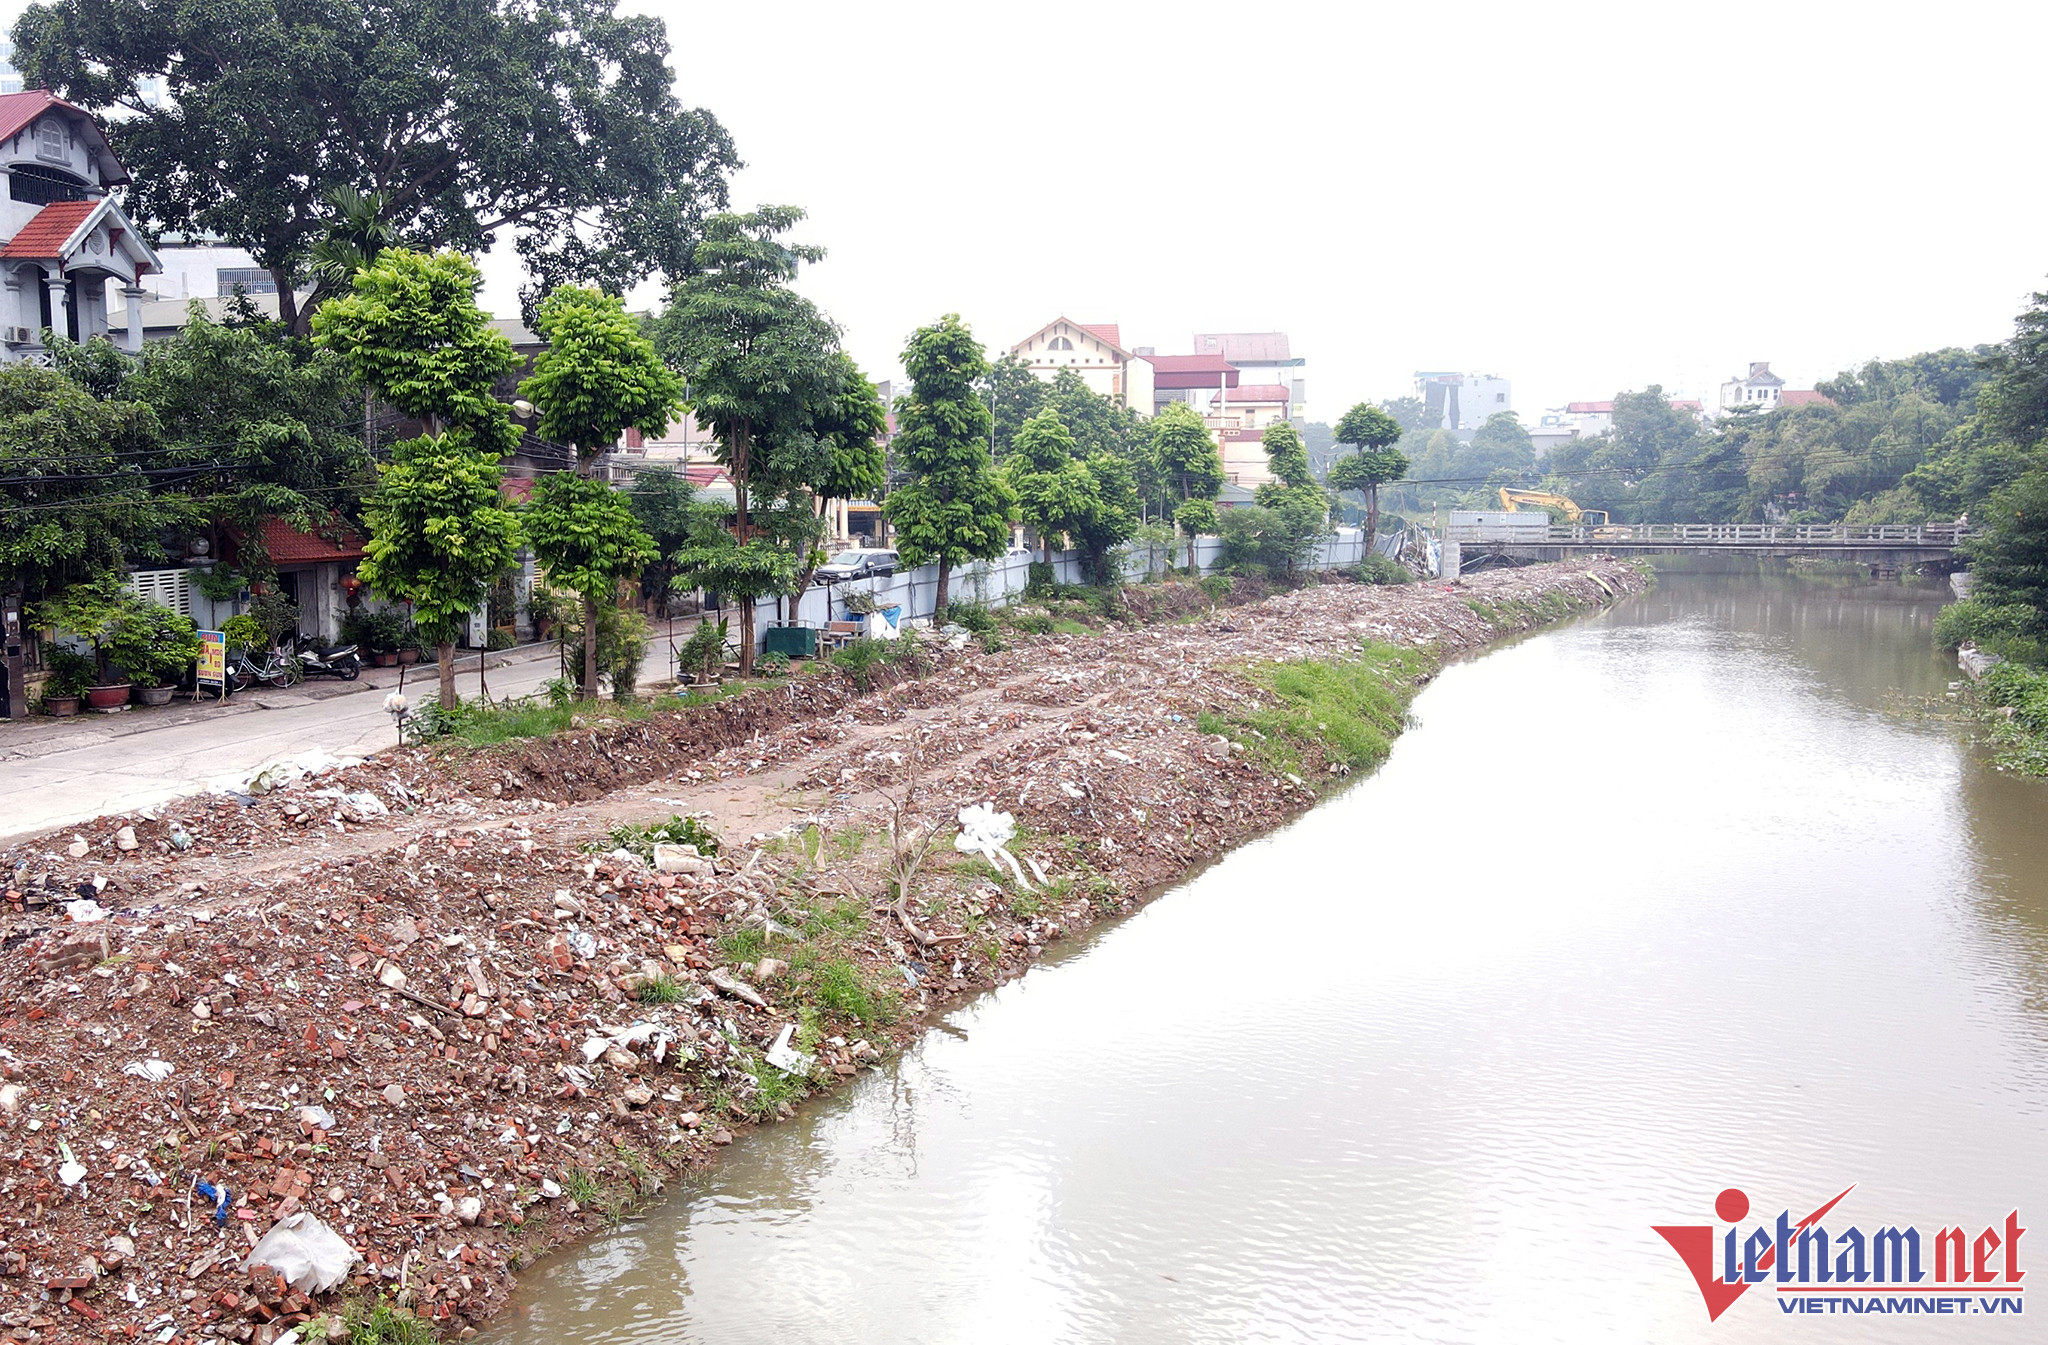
[1500,396]
[50,140]
[36,185]
[250,279]
[166,588]
[1059,343]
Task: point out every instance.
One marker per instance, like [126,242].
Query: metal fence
[1001,581]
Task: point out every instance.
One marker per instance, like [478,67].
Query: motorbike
[340,660]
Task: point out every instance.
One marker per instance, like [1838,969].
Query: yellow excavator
[1512,500]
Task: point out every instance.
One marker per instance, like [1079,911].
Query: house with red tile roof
[62,237]
[1095,352]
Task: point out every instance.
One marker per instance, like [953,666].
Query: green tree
[1500,446]
[2009,555]
[440,537]
[1056,495]
[1189,468]
[411,330]
[1014,395]
[588,537]
[598,378]
[665,506]
[764,370]
[1112,518]
[1373,462]
[954,508]
[77,497]
[1286,455]
[470,120]
[263,424]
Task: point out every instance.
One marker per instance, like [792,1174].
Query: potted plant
[409,644]
[156,645]
[70,676]
[95,611]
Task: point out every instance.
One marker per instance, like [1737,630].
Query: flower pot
[60,706]
[154,695]
[408,656]
[108,698]
[385,658]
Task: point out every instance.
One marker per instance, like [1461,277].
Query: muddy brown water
[1683,897]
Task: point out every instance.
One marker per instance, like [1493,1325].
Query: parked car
[859,563]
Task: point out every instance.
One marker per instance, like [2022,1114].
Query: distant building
[1461,403]
[1804,397]
[1188,378]
[1762,389]
[1245,463]
[1264,358]
[1250,406]
[1095,352]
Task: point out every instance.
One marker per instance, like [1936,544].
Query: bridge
[1884,547]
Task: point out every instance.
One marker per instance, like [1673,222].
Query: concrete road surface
[56,773]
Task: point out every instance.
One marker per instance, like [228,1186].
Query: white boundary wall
[998,582]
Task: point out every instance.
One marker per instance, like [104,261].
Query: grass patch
[838,986]
[480,725]
[2017,699]
[662,989]
[848,844]
[1024,905]
[744,945]
[581,1186]
[1351,711]
[385,1324]
[836,918]
[1068,626]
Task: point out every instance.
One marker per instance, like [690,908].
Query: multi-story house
[65,240]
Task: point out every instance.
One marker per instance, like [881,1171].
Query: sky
[1582,198]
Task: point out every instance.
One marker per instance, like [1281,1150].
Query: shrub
[2011,630]
[499,638]
[1217,586]
[1377,569]
[1039,577]
[621,648]
[156,645]
[678,830]
[703,654]
[973,616]
[859,659]
[243,632]
[71,673]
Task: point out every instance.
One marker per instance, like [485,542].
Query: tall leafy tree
[1056,495]
[1298,508]
[1373,461]
[665,506]
[411,330]
[955,507]
[764,371]
[1287,456]
[76,496]
[598,378]
[1112,518]
[1190,470]
[588,536]
[470,120]
[440,536]
[1014,395]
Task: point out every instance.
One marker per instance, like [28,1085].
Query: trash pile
[393,1027]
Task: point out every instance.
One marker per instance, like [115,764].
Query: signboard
[213,658]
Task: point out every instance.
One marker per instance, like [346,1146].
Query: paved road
[57,773]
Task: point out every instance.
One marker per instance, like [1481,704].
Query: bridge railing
[1739,534]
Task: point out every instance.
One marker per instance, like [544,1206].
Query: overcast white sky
[1580,197]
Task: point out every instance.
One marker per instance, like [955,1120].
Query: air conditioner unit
[16,336]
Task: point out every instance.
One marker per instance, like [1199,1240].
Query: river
[1694,894]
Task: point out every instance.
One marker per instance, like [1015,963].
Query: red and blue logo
[1816,1269]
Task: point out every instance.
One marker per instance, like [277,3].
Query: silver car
[859,563]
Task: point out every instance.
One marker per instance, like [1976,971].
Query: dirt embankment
[460,1025]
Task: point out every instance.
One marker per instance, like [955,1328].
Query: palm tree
[354,236]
